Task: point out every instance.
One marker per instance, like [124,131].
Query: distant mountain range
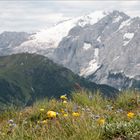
[25,78]
[103,47]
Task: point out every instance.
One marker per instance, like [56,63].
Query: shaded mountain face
[104,47]
[9,40]
[25,78]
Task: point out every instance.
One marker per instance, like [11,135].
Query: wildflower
[51,114]
[101,121]
[12,125]
[119,111]
[63,97]
[65,114]
[10,121]
[42,109]
[44,122]
[65,102]
[96,117]
[75,114]
[62,111]
[130,115]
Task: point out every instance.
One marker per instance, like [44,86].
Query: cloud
[35,15]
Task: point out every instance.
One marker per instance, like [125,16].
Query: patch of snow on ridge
[96,52]
[138,65]
[91,18]
[116,58]
[92,66]
[86,46]
[99,39]
[127,38]
[123,73]
[46,40]
[125,23]
[117,19]
[55,34]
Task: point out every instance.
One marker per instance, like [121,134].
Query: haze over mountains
[103,47]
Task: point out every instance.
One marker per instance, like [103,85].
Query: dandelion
[65,102]
[75,114]
[44,122]
[42,109]
[65,115]
[51,114]
[130,115]
[101,121]
[63,97]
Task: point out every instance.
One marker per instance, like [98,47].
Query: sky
[34,15]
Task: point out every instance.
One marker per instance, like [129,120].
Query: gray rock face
[9,40]
[105,51]
[112,54]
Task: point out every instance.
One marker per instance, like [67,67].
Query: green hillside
[25,78]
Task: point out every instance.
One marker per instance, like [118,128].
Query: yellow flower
[62,111]
[42,109]
[65,102]
[65,115]
[44,122]
[63,97]
[101,121]
[130,115]
[10,124]
[75,114]
[51,114]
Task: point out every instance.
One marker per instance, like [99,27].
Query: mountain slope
[103,47]
[9,40]
[110,46]
[25,78]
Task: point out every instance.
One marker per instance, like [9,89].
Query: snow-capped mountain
[45,41]
[103,47]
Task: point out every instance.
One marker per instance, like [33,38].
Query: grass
[84,116]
